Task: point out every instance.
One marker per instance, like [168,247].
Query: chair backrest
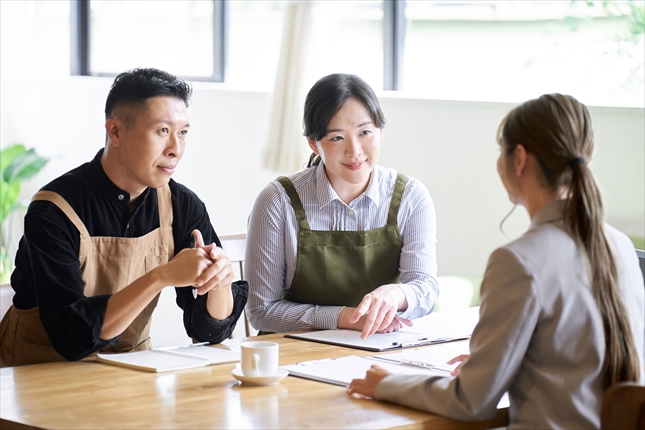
[6,298]
[234,246]
[623,407]
[641,260]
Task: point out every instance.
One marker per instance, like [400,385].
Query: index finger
[362,308]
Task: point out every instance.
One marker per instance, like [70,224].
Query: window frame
[393,43]
[80,32]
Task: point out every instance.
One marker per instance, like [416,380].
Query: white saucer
[259,380]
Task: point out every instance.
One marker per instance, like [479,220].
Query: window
[184,37]
[255,32]
[515,50]
[458,50]
[348,38]
[34,39]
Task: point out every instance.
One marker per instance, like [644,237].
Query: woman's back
[540,336]
[559,380]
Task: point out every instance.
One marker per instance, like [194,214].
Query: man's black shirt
[48,273]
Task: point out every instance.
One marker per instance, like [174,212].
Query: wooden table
[90,394]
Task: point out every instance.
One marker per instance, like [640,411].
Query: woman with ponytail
[562,313]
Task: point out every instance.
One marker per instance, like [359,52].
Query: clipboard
[377,342]
[341,371]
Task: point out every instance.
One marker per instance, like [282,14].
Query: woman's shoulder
[298,179]
[388,176]
[415,193]
[274,193]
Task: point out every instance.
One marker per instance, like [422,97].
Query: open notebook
[168,360]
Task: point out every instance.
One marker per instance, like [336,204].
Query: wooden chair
[6,298]
[623,407]
[234,245]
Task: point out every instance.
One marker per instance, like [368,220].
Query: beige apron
[108,264]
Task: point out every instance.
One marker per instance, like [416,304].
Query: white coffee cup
[260,358]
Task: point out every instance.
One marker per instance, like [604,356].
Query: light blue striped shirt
[272,243]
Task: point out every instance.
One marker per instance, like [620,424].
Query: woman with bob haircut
[562,311]
[344,243]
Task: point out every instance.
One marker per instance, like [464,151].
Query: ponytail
[583,215]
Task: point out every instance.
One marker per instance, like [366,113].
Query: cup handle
[255,364]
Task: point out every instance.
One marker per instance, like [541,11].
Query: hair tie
[575,161]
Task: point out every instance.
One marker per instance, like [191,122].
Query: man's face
[152,144]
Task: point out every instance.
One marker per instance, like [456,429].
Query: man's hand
[184,269]
[219,274]
[376,312]
[366,387]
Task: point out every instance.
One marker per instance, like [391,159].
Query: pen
[423,365]
[193,245]
[185,346]
[417,342]
[407,362]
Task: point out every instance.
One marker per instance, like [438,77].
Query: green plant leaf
[8,154]
[24,166]
[9,195]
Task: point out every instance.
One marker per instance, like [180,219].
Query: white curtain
[286,149]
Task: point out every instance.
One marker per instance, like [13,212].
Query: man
[103,240]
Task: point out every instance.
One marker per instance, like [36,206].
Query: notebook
[171,359]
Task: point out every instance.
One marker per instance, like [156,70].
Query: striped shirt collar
[326,193]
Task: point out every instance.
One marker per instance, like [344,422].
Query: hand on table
[377,312]
[367,386]
[461,359]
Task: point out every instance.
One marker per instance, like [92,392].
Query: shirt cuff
[411,298]
[209,329]
[326,317]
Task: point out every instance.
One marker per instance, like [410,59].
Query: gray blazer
[539,336]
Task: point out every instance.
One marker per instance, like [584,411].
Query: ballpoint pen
[417,342]
[413,363]
[193,245]
[423,364]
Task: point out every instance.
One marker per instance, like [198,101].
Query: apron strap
[399,187]
[303,224]
[164,201]
[62,204]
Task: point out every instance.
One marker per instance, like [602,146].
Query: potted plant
[16,165]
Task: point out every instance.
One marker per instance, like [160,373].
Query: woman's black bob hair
[328,96]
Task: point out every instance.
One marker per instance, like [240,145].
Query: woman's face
[350,149]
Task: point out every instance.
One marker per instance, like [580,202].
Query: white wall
[449,146]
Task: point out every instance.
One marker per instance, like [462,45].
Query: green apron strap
[399,187]
[303,224]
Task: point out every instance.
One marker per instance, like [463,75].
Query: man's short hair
[134,87]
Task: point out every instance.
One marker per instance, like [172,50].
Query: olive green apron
[108,264]
[338,268]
